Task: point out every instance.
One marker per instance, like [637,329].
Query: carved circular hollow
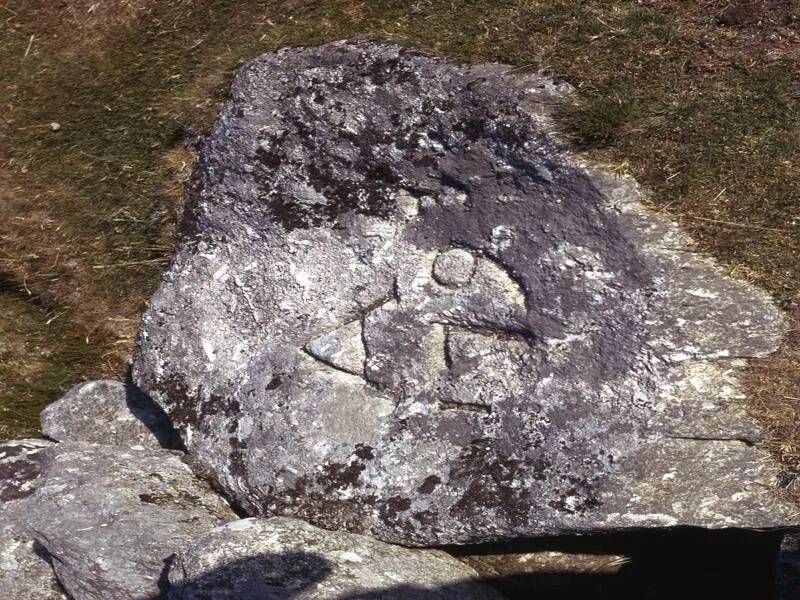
[454,267]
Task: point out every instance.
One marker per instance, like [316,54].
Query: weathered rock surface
[282,558]
[24,573]
[111,518]
[108,412]
[400,307]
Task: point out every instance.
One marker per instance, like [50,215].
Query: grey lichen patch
[538,350]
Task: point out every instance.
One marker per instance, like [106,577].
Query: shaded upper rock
[400,307]
[24,571]
[282,558]
[108,412]
[111,518]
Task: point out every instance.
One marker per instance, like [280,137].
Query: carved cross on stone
[426,340]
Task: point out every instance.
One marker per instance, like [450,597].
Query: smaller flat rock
[24,573]
[282,558]
[110,517]
[108,412]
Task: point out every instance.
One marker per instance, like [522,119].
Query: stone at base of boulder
[279,558]
[109,412]
[24,573]
[110,517]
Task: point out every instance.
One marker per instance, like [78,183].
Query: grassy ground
[700,100]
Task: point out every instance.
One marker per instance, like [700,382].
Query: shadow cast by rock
[685,563]
[146,410]
[671,563]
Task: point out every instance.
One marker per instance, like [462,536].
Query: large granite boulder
[108,412]
[110,519]
[24,571]
[399,306]
[282,558]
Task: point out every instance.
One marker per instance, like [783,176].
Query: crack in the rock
[468,406]
[697,438]
[306,351]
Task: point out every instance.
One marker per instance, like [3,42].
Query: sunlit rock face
[400,307]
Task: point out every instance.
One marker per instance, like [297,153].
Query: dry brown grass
[699,99]
[774,393]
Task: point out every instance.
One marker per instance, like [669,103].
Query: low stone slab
[108,412]
[400,306]
[111,518]
[24,572]
[282,558]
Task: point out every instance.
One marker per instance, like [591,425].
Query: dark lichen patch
[390,510]
[304,500]
[274,383]
[238,452]
[365,452]
[182,400]
[429,485]
[154,498]
[337,476]
[575,500]
[21,465]
[489,479]
[166,496]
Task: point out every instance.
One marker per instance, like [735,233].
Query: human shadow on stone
[152,416]
[43,554]
[260,577]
